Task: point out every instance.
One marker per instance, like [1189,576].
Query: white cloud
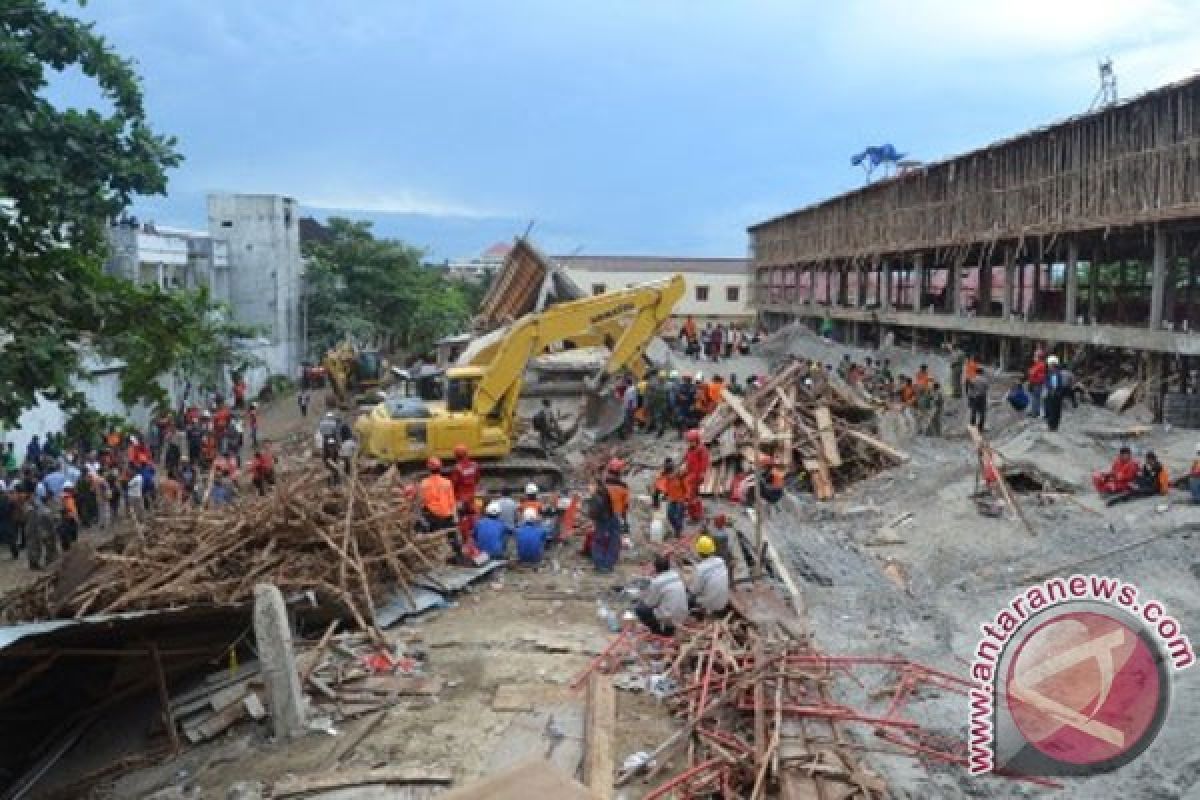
[399,202]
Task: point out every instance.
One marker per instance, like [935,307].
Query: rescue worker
[530,500]
[663,605]
[606,528]
[1055,394]
[937,406]
[977,400]
[1120,475]
[464,476]
[696,462]
[436,494]
[531,539]
[508,508]
[657,409]
[709,592]
[490,533]
[1037,385]
[957,360]
[262,468]
[67,529]
[618,491]
[703,404]
[41,539]
[685,400]
[670,485]
[1151,480]
[769,481]
[629,407]
[923,378]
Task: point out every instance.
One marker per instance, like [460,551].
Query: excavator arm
[629,317]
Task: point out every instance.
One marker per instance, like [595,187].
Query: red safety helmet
[434,464]
[693,435]
[616,465]
[460,451]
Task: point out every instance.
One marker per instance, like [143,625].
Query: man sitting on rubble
[1120,476]
[663,605]
[709,595]
[531,539]
[491,534]
[1151,480]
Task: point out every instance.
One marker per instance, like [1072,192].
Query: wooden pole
[759,556]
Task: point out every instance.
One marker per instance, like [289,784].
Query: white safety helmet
[530,515]
[531,488]
[1052,360]
[493,509]
[674,374]
[699,376]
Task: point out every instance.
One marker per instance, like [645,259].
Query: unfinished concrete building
[1083,235]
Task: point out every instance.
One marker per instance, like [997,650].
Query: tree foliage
[65,173]
[378,292]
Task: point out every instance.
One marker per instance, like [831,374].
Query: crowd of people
[715,342]
[61,488]
[673,400]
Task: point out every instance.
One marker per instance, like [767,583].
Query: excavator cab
[461,384]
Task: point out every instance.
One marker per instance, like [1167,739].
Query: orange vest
[437,495]
[714,392]
[618,494]
[536,505]
[671,486]
[922,379]
[971,371]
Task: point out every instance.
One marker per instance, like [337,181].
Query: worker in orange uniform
[703,404]
[715,389]
[464,476]
[923,380]
[770,482]
[670,485]
[696,462]
[435,494]
[618,491]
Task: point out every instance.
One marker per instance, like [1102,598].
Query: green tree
[65,173]
[377,291]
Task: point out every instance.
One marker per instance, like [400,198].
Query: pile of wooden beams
[352,544]
[758,715]
[803,419]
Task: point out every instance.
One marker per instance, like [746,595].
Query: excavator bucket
[602,414]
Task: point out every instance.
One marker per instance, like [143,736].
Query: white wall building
[718,289]
[266,271]
[474,270]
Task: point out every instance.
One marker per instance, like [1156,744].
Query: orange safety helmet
[460,451]
[434,464]
[693,435]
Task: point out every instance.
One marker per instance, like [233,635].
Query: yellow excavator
[481,396]
[353,370]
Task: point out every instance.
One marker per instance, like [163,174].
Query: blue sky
[625,126]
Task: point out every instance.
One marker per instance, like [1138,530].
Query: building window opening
[701,294]
[732,293]
[598,288]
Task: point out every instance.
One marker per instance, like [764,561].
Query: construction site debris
[809,423]
[351,543]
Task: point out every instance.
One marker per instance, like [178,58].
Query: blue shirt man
[491,534]
[531,539]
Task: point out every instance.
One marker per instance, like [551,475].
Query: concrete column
[1158,284]
[1094,260]
[1072,281]
[273,636]
[885,286]
[983,295]
[1003,352]
[918,280]
[954,286]
[1036,288]
[1010,258]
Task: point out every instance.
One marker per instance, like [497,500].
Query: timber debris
[812,424]
[352,544]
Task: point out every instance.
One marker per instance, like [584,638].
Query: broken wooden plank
[394,684]
[827,436]
[388,776]
[213,724]
[877,444]
[738,407]
[598,736]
